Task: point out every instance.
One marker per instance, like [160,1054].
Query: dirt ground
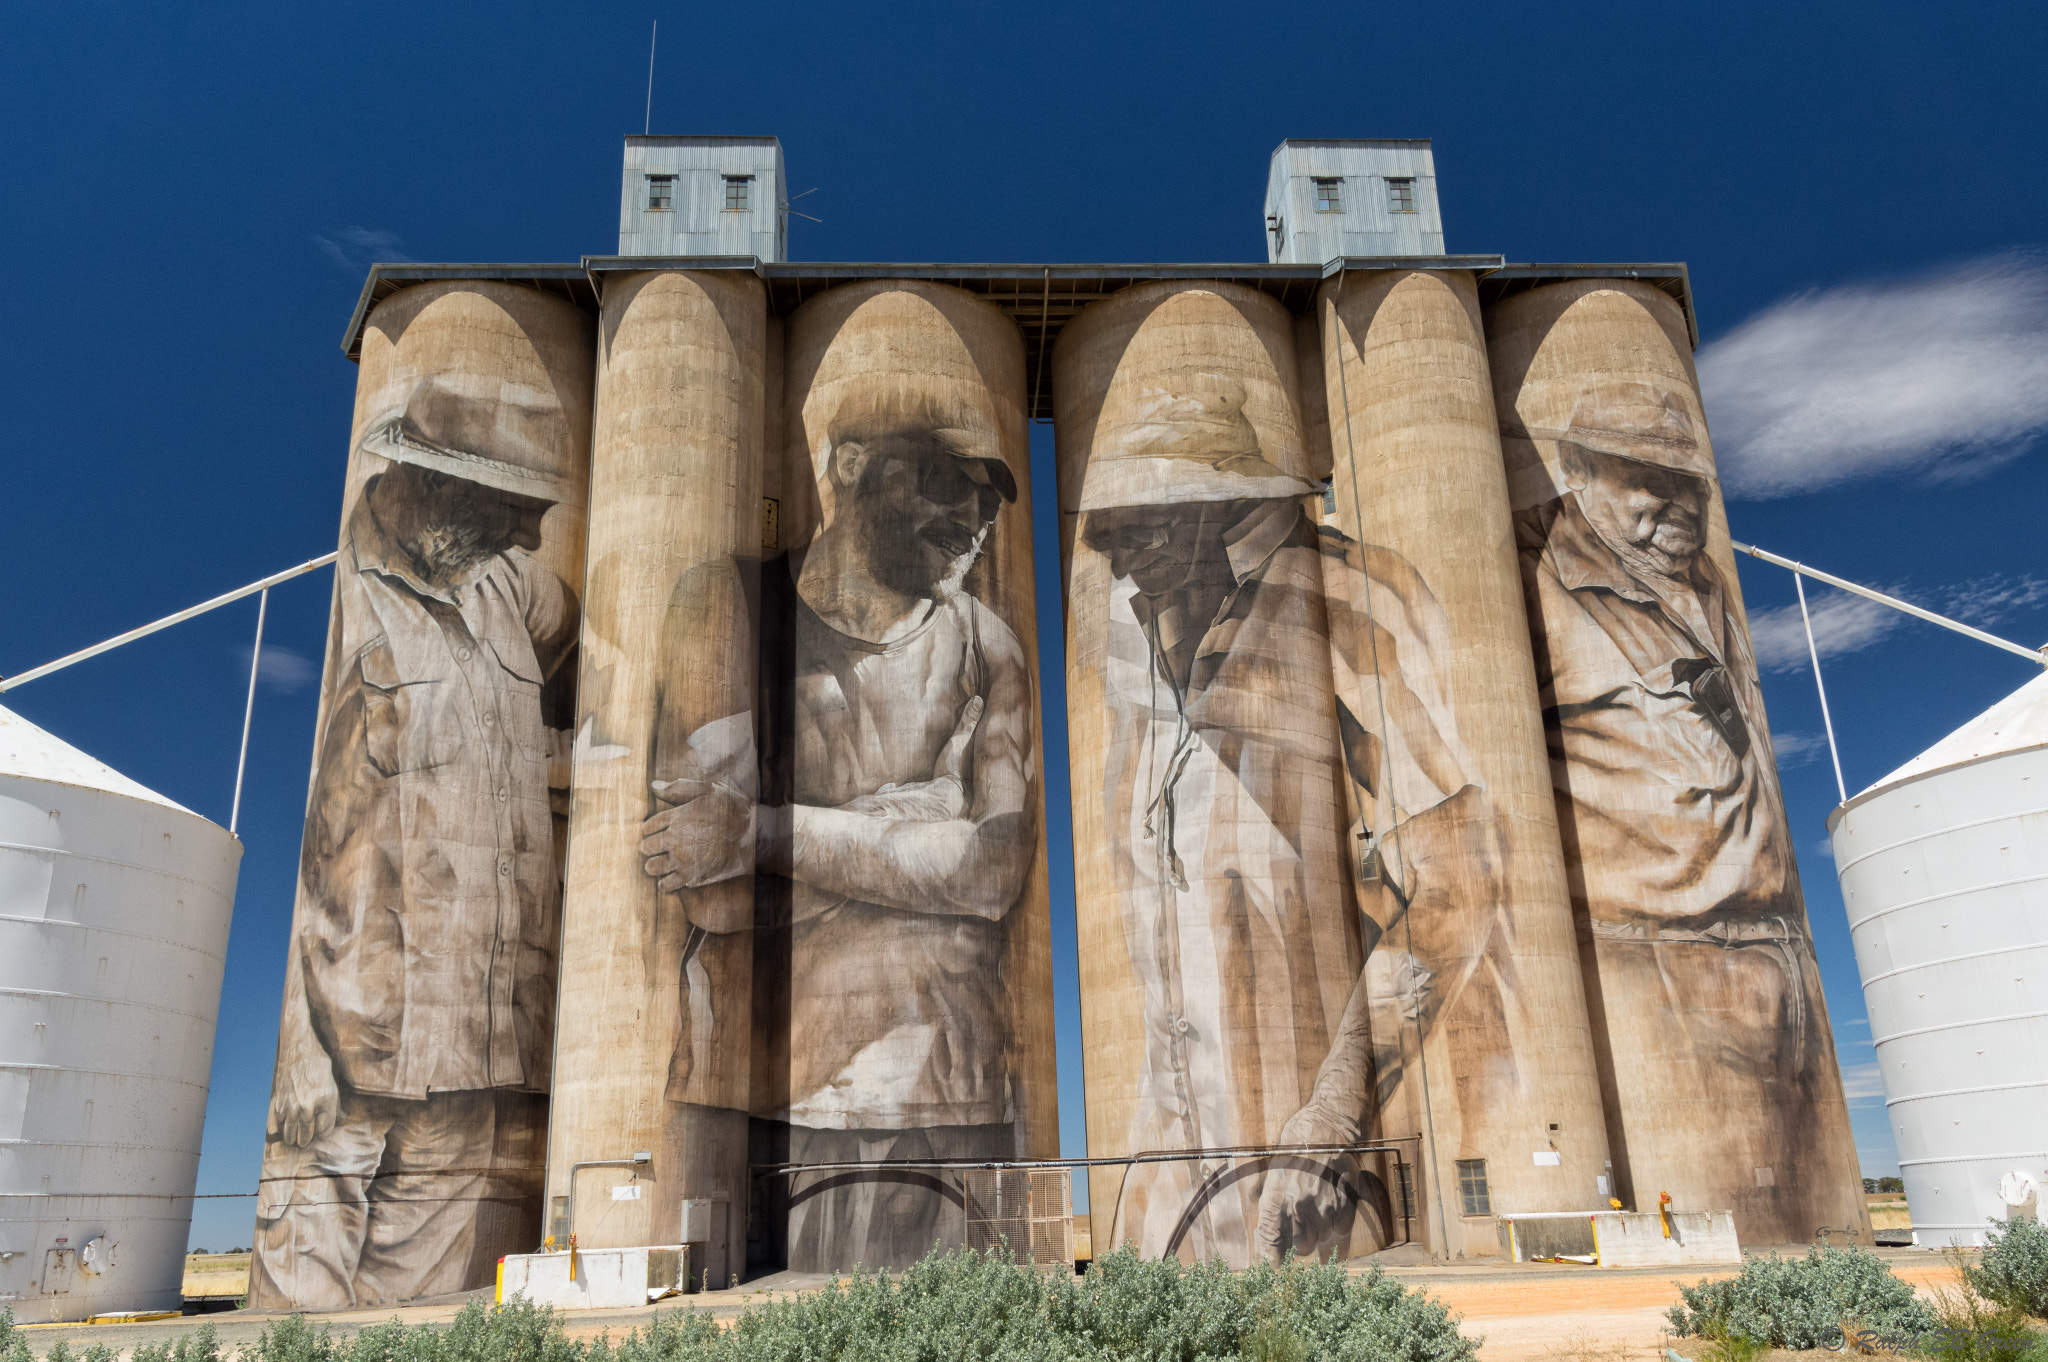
[1598,1314]
[1528,1312]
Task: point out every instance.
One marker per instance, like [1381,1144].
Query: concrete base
[603,1279]
[1637,1239]
[1622,1238]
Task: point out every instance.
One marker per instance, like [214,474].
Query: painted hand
[306,1102]
[940,799]
[1398,978]
[1307,1201]
[707,838]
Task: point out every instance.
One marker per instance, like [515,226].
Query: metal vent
[1030,1211]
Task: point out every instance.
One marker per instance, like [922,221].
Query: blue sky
[193,194]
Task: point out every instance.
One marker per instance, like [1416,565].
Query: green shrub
[1975,1329]
[2014,1270]
[13,1348]
[1803,1302]
[949,1306]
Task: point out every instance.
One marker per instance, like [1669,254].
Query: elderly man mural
[1671,813]
[1226,804]
[419,1001]
[888,823]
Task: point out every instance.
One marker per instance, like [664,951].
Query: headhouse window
[661,193]
[1401,195]
[736,187]
[1329,195]
[1472,1187]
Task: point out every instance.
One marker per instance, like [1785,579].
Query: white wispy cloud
[1825,848]
[1797,749]
[1943,376]
[355,249]
[1862,1082]
[281,669]
[1843,623]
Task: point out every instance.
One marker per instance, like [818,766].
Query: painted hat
[497,441]
[958,429]
[1644,422]
[1180,448]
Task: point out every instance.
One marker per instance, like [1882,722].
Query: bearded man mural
[881,795]
[419,1001]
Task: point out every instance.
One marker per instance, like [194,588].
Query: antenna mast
[653,34]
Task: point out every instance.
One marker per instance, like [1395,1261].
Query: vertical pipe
[249,709]
[1718,1061]
[654,1051]
[1219,935]
[1450,780]
[1813,652]
[906,974]
[419,1004]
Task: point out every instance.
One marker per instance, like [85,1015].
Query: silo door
[57,1272]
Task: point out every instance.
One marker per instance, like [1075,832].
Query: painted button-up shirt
[430,887]
[1225,802]
[1673,800]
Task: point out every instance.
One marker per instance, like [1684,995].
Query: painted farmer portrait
[1223,809]
[1669,804]
[883,797]
[419,1006]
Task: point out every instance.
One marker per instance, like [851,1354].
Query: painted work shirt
[1225,801]
[1657,746]
[889,1007]
[430,883]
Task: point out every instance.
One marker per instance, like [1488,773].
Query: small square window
[1472,1187]
[1401,196]
[1329,196]
[661,193]
[736,187]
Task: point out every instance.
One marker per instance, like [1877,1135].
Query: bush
[2014,1270]
[1803,1302]
[950,1305]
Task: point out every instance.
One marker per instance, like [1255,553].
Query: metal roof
[32,753]
[2018,723]
[1041,299]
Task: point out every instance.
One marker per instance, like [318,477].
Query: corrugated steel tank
[1944,869]
[114,908]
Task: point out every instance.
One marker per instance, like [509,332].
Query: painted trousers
[890,1217]
[381,1208]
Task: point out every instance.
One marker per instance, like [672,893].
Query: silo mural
[408,1110]
[1482,1052]
[657,969]
[1716,1053]
[882,796]
[1220,948]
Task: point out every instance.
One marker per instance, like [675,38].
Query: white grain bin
[1944,868]
[114,907]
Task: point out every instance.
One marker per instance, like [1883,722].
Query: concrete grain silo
[1464,872]
[1702,985]
[1944,869]
[114,909]
[667,647]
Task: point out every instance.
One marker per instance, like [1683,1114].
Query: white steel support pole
[1812,652]
[249,710]
[23,678]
